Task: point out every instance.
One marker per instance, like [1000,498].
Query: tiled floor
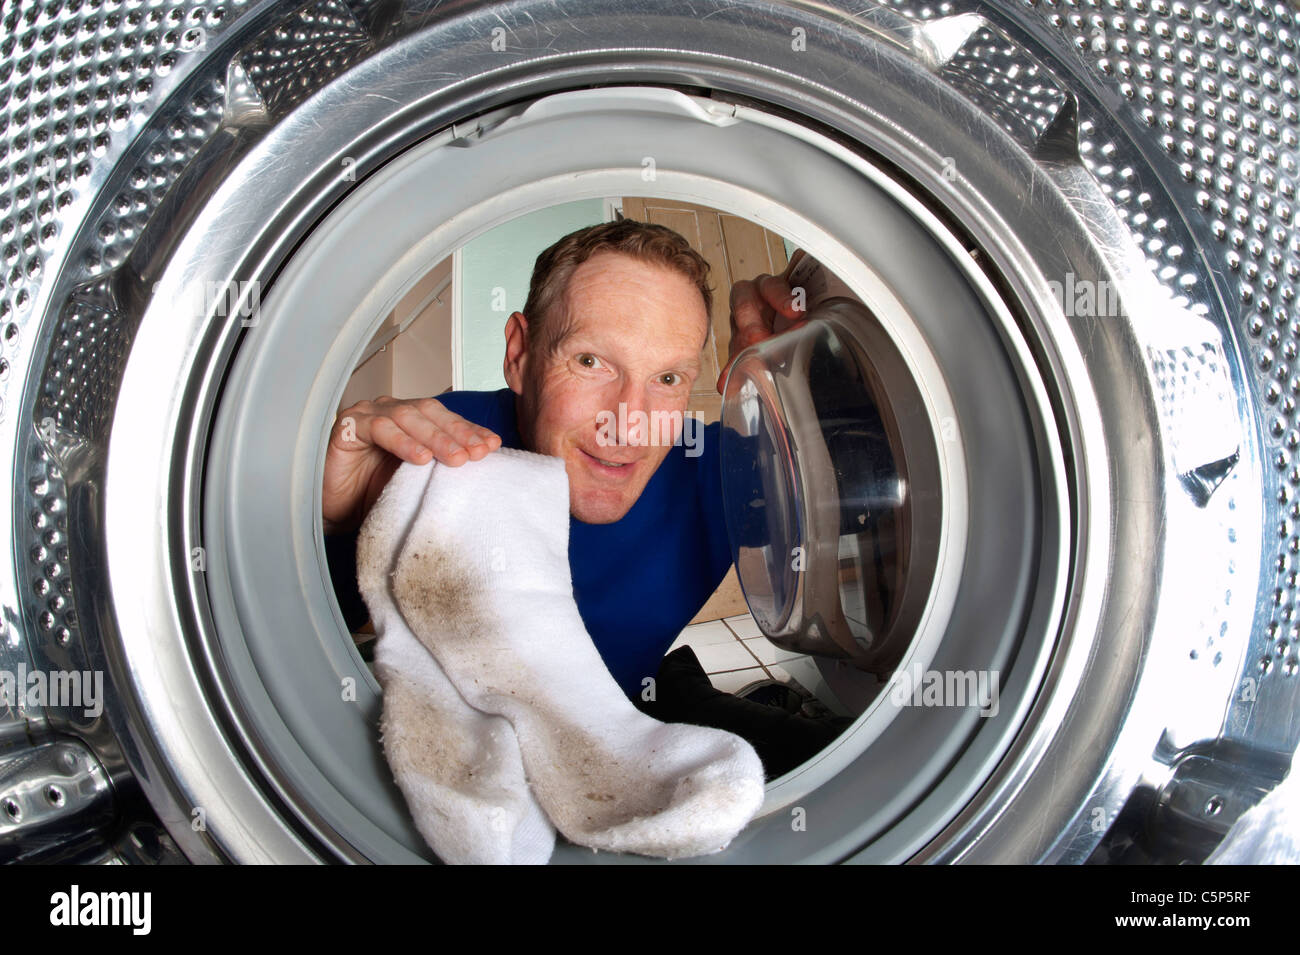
[734,653]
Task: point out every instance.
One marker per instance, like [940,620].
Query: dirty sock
[483,581]
[459,769]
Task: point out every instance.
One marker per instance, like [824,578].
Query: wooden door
[735,249]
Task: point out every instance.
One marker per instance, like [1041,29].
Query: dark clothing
[783,741]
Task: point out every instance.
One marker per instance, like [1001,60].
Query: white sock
[459,769]
[483,581]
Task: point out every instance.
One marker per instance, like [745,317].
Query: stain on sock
[438,595]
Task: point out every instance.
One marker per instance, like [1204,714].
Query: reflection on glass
[820,503]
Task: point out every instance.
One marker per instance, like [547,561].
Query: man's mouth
[607,465]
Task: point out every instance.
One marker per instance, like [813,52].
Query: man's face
[636,334]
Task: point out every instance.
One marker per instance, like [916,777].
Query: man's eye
[671,379]
[588,361]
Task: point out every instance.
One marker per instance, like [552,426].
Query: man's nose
[633,412]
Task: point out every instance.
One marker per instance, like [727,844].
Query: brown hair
[548,320]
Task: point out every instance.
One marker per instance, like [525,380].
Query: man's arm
[371,439]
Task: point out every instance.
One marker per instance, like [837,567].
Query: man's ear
[516,358]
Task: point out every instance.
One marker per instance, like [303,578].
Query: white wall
[496,269]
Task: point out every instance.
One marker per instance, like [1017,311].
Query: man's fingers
[778,295]
[422,428]
[751,318]
[413,431]
[749,310]
[387,434]
[755,303]
[351,431]
[475,440]
[451,442]
[478,442]
[448,450]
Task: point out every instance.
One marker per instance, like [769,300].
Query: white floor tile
[734,680]
[744,626]
[706,634]
[769,653]
[716,658]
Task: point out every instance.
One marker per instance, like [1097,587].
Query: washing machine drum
[1047,443]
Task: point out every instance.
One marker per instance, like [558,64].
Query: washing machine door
[832,479]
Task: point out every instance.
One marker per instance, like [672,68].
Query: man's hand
[370,441]
[755,305]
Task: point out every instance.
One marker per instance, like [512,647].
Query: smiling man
[616,335]
[616,317]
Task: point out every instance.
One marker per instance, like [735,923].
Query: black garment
[683,694]
[341,556]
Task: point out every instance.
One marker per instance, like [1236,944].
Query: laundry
[458,768]
[482,580]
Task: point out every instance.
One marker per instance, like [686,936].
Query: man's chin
[599,505]
[600,514]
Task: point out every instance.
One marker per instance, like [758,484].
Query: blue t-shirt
[639,581]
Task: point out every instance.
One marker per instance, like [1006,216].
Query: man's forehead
[609,271]
[637,290]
